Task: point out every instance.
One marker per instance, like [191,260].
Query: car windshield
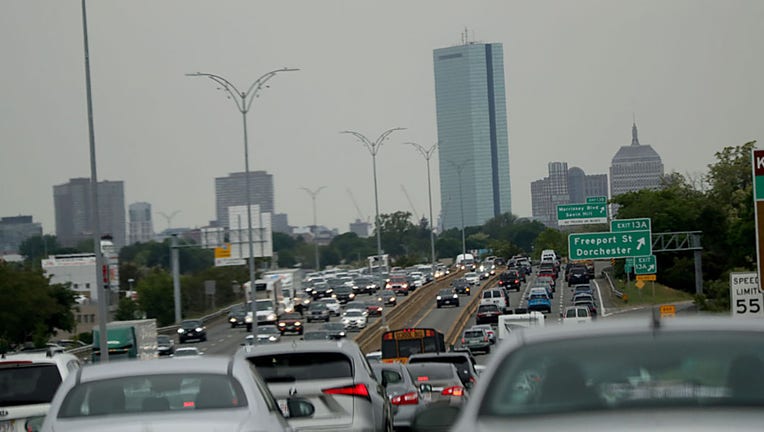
[353,313]
[651,371]
[445,292]
[268,330]
[191,324]
[539,297]
[163,339]
[27,383]
[488,308]
[318,306]
[141,394]
[264,305]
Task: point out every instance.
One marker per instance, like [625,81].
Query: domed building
[635,167]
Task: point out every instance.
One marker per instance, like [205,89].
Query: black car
[343,294]
[236,315]
[290,322]
[388,297]
[578,275]
[461,286]
[321,291]
[336,330]
[165,345]
[192,329]
[365,285]
[448,297]
[510,280]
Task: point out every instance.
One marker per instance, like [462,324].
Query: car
[237,315]
[476,339]
[487,314]
[510,280]
[343,294]
[584,288]
[520,273]
[398,284]
[334,377]
[694,373]
[186,352]
[336,330]
[388,297]
[547,280]
[539,300]
[576,315]
[192,330]
[221,393]
[488,330]
[321,290]
[582,296]
[28,383]
[542,284]
[290,323]
[404,393]
[495,296]
[472,278]
[165,345]
[578,275]
[265,334]
[447,296]
[354,319]
[439,382]
[315,335]
[461,286]
[318,311]
[365,285]
[374,307]
[589,304]
[334,306]
[462,360]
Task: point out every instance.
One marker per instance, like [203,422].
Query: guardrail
[369,338]
[606,274]
[83,353]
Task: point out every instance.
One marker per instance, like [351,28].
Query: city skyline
[575,74]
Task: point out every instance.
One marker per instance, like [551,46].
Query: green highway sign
[641,224]
[645,265]
[596,200]
[581,214]
[601,245]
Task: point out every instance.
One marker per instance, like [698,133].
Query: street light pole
[373,148]
[313,194]
[459,168]
[243,101]
[427,154]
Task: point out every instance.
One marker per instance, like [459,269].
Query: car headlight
[468,288]
[281,324]
[380,299]
[342,333]
[272,338]
[306,302]
[334,296]
[232,319]
[248,319]
[380,309]
[437,298]
[456,295]
[271,317]
[298,324]
[329,291]
[181,331]
[199,329]
[352,295]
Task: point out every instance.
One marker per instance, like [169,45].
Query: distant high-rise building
[141,225]
[231,191]
[472,132]
[635,167]
[563,186]
[74,216]
[14,230]
[360,228]
[281,223]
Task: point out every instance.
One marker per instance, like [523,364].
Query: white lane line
[599,294]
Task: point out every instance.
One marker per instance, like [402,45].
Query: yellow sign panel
[223,252]
[647,277]
[640,284]
[668,311]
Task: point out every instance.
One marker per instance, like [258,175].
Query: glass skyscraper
[472,132]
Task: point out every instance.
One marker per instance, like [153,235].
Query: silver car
[405,395]
[334,377]
[699,374]
[212,393]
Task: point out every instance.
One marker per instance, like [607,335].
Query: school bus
[398,345]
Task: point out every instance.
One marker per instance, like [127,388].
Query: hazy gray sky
[691,71]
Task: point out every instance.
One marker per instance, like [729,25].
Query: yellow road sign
[223,252]
[639,284]
[668,311]
[646,277]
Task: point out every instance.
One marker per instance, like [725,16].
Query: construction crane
[357,209]
[411,203]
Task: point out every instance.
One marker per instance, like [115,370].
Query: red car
[374,308]
[399,285]
[290,323]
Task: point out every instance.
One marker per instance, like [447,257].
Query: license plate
[283,407]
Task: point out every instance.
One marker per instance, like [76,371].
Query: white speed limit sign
[745,295]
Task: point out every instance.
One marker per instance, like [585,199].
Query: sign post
[758,200]
[745,295]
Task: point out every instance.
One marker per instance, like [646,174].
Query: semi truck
[136,339]
[291,281]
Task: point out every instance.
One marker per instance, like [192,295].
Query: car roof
[342,345]
[102,371]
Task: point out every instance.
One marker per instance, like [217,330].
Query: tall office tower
[14,230]
[635,167]
[472,132]
[73,208]
[231,191]
[140,223]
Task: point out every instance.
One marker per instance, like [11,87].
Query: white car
[186,352]
[354,319]
[473,278]
[332,304]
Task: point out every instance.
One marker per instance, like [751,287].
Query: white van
[509,323]
[548,255]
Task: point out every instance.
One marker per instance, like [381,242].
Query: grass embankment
[653,293]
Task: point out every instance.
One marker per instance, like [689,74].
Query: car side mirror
[425,388]
[299,408]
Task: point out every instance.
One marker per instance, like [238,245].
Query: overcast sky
[576,71]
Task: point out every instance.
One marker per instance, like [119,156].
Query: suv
[495,296]
[343,294]
[461,286]
[447,296]
[30,379]
[192,329]
[399,284]
[318,311]
[335,378]
[577,275]
[463,360]
[510,280]
[476,339]
[487,314]
[237,315]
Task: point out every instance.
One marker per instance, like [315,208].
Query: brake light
[405,399]
[351,390]
[453,391]
[464,341]
[422,378]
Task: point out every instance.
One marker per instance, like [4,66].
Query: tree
[550,239]
[37,308]
[155,296]
[126,310]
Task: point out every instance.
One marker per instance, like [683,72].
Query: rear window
[570,313]
[473,334]
[300,366]
[153,393]
[431,372]
[488,308]
[27,383]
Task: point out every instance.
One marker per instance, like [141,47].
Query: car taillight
[464,341]
[405,399]
[351,390]
[485,338]
[453,391]
[516,281]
